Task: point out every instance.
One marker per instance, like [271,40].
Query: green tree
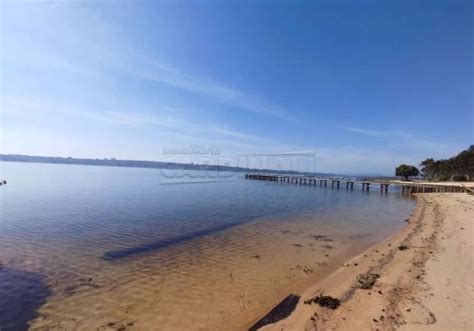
[459,167]
[463,163]
[406,171]
[428,168]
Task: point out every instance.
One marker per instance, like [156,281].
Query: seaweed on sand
[365,281]
[324,301]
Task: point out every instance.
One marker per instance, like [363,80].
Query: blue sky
[366,85]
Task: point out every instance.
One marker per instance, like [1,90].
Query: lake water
[88,247]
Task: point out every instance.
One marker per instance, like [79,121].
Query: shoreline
[416,288]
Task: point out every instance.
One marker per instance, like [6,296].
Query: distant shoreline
[112,162]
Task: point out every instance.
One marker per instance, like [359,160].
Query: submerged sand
[220,282]
[427,285]
[426,277]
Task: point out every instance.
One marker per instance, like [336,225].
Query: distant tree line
[458,168]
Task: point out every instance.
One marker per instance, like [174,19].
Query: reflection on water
[118,250]
[21,294]
[121,253]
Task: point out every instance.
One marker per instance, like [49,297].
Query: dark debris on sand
[365,281]
[320,237]
[324,301]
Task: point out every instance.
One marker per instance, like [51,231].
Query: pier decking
[405,187]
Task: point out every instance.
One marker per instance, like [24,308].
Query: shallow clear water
[87,247]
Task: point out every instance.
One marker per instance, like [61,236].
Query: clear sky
[367,85]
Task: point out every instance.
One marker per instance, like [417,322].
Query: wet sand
[425,277]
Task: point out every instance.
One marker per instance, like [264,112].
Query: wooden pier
[405,187]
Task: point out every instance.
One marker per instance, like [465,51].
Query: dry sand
[428,285]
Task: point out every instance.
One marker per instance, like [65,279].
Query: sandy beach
[422,277]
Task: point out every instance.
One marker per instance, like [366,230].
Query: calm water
[85,247]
